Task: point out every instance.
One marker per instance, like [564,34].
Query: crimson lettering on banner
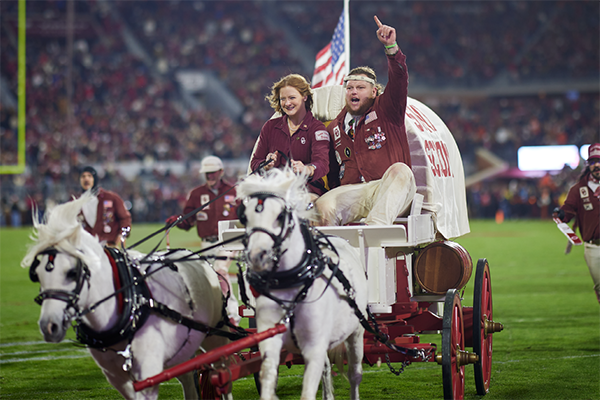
[439,158]
[420,120]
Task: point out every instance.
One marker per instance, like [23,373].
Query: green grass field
[549,349]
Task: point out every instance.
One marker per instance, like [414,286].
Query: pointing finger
[377,21]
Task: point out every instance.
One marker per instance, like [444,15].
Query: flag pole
[347,34]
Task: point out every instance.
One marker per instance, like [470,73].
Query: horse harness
[311,267]
[137,302]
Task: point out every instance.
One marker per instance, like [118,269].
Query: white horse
[297,272]
[132,335]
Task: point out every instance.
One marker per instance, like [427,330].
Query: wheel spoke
[453,355]
[483,326]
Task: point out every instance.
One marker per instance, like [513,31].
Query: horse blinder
[241,214]
[33,276]
[241,209]
[78,274]
[51,252]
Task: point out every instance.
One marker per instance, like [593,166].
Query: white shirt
[89,210]
[348,119]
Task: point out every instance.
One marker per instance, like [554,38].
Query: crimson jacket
[583,205]
[380,135]
[111,216]
[207,220]
[309,144]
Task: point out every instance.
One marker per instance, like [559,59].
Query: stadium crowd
[119,106]
[469,43]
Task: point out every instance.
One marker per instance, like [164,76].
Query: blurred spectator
[127,107]
[105,215]
[212,202]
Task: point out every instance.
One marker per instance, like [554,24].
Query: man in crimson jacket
[105,216]
[207,220]
[370,167]
[583,204]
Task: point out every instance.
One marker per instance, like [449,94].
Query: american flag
[330,65]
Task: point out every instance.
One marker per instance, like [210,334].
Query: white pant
[592,258]
[379,201]
[222,268]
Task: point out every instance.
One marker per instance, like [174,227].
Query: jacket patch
[336,133]
[583,192]
[204,198]
[303,140]
[588,206]
[201,216]
[347,152]
[322,135]
[229,198]
[342,171]
[372,116]
[338,158]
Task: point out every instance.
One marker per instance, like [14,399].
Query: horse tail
[337,356]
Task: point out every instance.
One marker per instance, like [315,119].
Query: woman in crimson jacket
[297,134]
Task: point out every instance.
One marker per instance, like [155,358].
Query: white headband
[359,78]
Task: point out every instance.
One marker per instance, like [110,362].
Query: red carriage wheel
[453,346]
[483,326]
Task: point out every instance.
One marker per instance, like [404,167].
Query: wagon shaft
[208,358]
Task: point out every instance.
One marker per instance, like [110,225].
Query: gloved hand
[558,213]
[125,231]
[171,220]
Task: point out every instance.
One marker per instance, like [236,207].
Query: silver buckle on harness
[128,363]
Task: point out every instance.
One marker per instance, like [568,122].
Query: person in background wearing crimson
[370,166]
[207,220]
[583,204]
[105,215]
[297,134]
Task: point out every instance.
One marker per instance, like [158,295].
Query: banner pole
[347,34]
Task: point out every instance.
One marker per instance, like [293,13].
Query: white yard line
[84,353]
[21,343]
[48,358]
[43,351]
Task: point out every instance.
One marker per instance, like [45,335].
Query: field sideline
[549,349]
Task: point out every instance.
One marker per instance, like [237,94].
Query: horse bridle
[310,267]
[285,219]
[82,275]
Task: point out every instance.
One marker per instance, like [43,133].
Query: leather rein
[137,302]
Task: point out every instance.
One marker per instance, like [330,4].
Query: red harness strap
[117,281]
[254,292]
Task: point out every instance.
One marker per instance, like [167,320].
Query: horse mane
[283,183]
[61,229]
